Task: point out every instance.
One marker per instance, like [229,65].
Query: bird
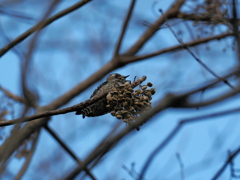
[99,108]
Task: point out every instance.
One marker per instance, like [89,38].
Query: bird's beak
[126,76]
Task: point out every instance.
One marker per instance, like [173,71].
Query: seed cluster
[128,104]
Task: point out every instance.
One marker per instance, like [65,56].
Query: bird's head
[117,77]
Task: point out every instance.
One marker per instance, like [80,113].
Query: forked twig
[196,58]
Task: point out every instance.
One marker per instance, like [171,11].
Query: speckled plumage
[99,108]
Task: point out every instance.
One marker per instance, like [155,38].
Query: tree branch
[174,132]
[132,59]
[228,161]
[13,96]
[44,24]
[172,12]
[68,150]
[168,101]
[124,27]
[29,157]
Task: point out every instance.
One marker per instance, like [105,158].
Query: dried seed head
[144,87]
[109,97]
[113,113]
[149,84]
[138,91]
[129,104]
[145,98]
[119,116]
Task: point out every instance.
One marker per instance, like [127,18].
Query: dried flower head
[129,104]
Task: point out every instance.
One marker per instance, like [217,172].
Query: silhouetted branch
[210,101]
[53,112]
[170,100]
[68,150]
[45,23]
[195,57]
[124,27]
[64,110]
[204,18]
[172,12]
[175,130]
[179,159]
[230,158]
[131,59]
[30,96]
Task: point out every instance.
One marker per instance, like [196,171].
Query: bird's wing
[96,90]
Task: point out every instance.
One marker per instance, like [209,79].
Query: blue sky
[77,45]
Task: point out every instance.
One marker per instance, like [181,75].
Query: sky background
[74,47]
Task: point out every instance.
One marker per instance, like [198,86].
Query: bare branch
[168,101]
[174,132]
[13,96]
[68,150]
[179,159]
[132,59]
[29,95]
[228,161]
[195,57]
[172,12]
[45,23]
[53,112]
[211,101]
[64,110]
[125,24]
[29,157]
[204,18]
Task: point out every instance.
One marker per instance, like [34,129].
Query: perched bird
[99,108]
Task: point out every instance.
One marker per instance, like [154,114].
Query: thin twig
[132,59]
[124,27]
[168,101]
[64,110]
[211,101]
[110,134]
[45,23]
[68,150]
[53,112]
[29,95]
[224,166]
[29,157]
[179,159]
[13,96]
[193,55]
[16,14]
[171,13]
[174,132]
